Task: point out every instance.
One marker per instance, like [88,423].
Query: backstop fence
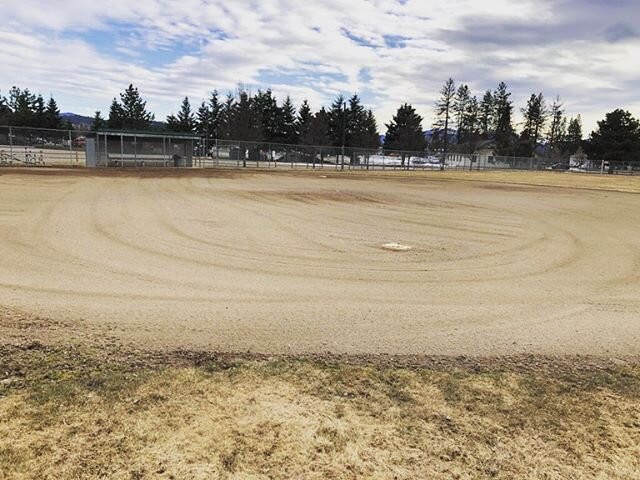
[33,147]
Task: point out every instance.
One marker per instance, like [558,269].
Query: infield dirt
[288,263]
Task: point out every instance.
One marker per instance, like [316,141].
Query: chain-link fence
[32,147]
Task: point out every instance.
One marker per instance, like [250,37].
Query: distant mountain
[85,123]
[78,121]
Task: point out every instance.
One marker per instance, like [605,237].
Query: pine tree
[172,123]
[371,133]
[268,116]
[557,129]
[134,110]
[573,139]
[242,120]
[460,109]
[503,126]
[304,124]
[209,117]
[356,128]
[617,138]
[21,103]
[486,115]
[52,115]
[184,121]
[535,117]
[203,116]
[116,116]
[472,124]
[226,117]
[337,122]
[5,112]
[405,132]
[39,112]
[99,123]
[444,115]
[320,128]
[288,126]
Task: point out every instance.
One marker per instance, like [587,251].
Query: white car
[429,162]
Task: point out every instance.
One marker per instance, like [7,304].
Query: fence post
[70,150]
[10,145]
[135,150]
[121,150]
[164,151]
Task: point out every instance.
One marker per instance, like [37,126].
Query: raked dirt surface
[292,262]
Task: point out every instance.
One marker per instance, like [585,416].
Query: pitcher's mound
[396,247]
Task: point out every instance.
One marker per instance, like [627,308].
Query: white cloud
[315,50]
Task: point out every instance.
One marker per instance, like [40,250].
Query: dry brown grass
[616,183]
[72,414]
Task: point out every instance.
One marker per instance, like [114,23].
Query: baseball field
[198,324]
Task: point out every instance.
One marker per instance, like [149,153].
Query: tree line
[464,122]
[22,108]
[258,117]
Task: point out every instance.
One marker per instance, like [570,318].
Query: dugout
[119,148]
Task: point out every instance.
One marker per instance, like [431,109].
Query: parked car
[558,166]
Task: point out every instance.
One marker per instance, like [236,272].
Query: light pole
[344,130]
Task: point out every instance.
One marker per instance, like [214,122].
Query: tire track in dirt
[293,262]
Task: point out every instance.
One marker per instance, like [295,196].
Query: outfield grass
[69,413]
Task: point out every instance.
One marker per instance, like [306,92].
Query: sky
[84,52]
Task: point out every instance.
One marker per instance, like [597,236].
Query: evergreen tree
[573,140]
[460,108]
[472,125]
[134,110]
[243,125]
[320,134]
[226,116]
[557,129]
[172,123]
[203,116]
[5,112]
[268,116]
[21,103]
[405,132]
[503,126]
[357,134]
[371,133]
[444,116]
[337,122]
[99,123]
[184,121]
[304,124]
[288,127]
[486,115]
[617,138]
[209,117]
[116,116]
[39,113]
[52,115]
[535,117]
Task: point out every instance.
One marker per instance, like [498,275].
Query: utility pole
[446,140]
[344,130]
